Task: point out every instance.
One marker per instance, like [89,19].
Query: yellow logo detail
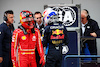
[57,42]
[23,37]
[57,32]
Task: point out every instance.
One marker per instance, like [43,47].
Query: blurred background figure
[39,21]
[39,24]
[6,30]
[89,28]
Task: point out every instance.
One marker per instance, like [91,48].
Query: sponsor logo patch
[23,37]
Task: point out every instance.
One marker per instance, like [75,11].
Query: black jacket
[41,28]
[90,27]
[5,38]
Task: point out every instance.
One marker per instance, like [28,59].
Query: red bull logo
[57,32]
[57,37]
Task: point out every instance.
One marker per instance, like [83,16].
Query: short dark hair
[37,12]
[8,12]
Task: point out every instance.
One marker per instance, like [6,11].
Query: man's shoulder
[3,25]
[47,27]
[17,30]
[36,29]
[42,25]
[92,20]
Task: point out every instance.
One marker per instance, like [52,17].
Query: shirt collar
[84,24]
[7,23]
[38,24]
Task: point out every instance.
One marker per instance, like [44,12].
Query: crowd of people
[24,46]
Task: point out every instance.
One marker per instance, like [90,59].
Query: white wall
[17,6]
[38,5]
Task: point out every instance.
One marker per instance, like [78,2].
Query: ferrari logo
[23,37]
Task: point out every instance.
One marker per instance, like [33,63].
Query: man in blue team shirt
[55,35]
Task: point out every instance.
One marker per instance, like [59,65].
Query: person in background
[26,39]
[6,30]
[39,24]
[89,28]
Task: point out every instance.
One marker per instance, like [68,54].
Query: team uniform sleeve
[40,48]
[14,45]
[39,44]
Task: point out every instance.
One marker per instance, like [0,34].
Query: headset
[5,17]
[88,16]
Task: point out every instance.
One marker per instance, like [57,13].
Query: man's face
[83,18]
[10,18]
[38,18]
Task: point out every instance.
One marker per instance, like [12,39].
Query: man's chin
[31,27]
